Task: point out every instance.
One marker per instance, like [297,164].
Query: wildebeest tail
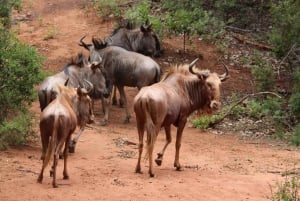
[157,75]
[51,145]
[150,129]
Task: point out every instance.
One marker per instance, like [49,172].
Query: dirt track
[219,167]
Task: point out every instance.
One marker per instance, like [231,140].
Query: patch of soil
[218,166]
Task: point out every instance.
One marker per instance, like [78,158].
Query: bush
[294,100]
[106,8]
[286,26]
[263,74]
[287,191]
[15,131]
[20,71]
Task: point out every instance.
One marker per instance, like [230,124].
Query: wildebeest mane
[182,69]
[77,61]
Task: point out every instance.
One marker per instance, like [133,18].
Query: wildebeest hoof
[51,173]
[66,177]
[60,156]
[71,149]
[114,101]
[151,174]
[103,123]
[158,161]
[127,120]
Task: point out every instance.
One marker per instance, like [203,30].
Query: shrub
[294,101]
[263,74]
[286,26]
[15,131]
[106,8]
[287,191]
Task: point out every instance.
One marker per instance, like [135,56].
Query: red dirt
[220,167]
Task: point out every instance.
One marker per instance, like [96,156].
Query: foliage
[51,33]
[287,191]
[263,74]
[5,9]
[295,138]
[294,101]
[141,12]
[286,26]
[20,71]
[15,131]
[205,121]
[183,17]
[106,8]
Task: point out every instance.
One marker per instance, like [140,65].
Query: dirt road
[219,167]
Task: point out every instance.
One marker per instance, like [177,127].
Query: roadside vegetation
[20,71]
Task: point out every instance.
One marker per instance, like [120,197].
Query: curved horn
[83,44]
[192,65]
[66,82]
[224,76]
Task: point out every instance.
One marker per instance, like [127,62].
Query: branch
[239,102]
[246,40]
[238,29]
[3,86]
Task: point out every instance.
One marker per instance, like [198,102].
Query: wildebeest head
[211,86]
[142,40]
[84,107]
[149,44]
[99,75]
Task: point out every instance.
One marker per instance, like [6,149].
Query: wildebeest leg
[105,105]
[55,161]
[45,142]
[40,178]
[72,144]
[160,155]
[178,144]
[65,172]
[123,96]
[114,98]
[140,127]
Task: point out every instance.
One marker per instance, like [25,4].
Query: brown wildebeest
[181,91]
[58,121]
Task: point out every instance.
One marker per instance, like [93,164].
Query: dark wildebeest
[58,121]
[142,40]
[123,68]
[180,92]
[78,69]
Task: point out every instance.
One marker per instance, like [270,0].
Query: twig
[3,86]
[238,29]
[285,57]
[239,102]
[295,171]
[246,40]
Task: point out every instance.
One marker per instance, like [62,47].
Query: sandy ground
[218,167]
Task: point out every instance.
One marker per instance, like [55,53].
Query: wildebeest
[58,121]
[123,68]
[180,92]
[78,69]
[142,40]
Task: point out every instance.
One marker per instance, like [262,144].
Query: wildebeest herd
[123,59]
